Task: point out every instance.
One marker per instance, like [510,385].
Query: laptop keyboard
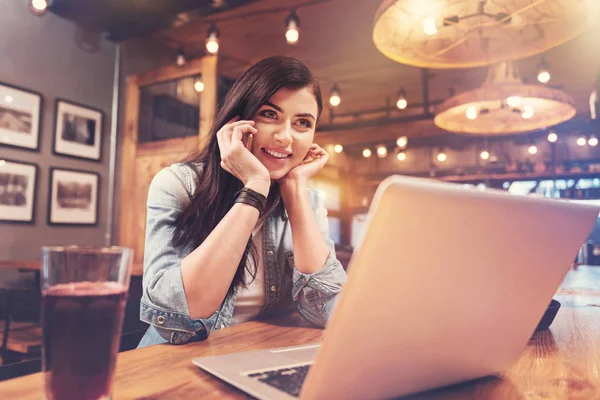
[288,380]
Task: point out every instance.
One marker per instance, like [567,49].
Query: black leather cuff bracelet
[252,198]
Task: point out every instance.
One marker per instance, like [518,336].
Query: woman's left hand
[315,160]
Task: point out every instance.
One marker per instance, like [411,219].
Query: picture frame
[20,117]
[77,130]
[73,197]
[18,191]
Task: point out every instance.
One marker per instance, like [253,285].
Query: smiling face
[286,129]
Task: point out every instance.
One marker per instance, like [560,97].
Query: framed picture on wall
[77,131]
[73,197]
[20,116]
[18,184]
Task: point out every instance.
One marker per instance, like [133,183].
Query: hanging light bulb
[527,111]
[293,24]
[212,39]
[513,101]
[484,155]
[552,137]
[532,149]
[366,153]
[180,61]
[334,96]
[402,142]
[472,112]
[38,7]
[381,151]
[401,156]
[429,26]
[338,148]
[581,141]
[199,86]
[593,141]
[441,157]
[402,103]
[543,71]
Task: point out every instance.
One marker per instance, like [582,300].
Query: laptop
[447,285]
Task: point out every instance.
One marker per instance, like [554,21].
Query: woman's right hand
[236,157]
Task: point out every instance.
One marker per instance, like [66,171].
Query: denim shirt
[164,304]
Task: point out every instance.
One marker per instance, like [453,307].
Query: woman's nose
[283,136]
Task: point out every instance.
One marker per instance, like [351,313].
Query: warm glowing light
[484,155]
[544,76]
[199,86]
[401,104]
[39,5]
[532,149]
[401,156]
[552,137]
[472,112]
[366,153]
[429,26]
[212,45]
[527,111]
[338,148]
[514,101]
[381,151]
[8,99]
[402,142]
[593,141]
[581,141]
[441,157]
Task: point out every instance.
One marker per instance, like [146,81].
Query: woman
[234,233]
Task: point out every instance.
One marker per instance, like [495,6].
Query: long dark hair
[216,187]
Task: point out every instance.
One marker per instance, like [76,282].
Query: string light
[581,141]
[513,101]
[381,151]
[429,26]
[212,39]
[484,155]
[472,112]
[401,156]
[543,71]
[293,24]
[334,96]
[552,137]
[366,153]
[532,149]
[593,141]
[338,148]
[180,61]
[441,157]
[402,142]
[402,103]
[38,7]
[199,86]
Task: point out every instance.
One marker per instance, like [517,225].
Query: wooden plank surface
[560,363]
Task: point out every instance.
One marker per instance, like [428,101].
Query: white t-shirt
[250,300]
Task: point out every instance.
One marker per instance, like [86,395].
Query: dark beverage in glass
[82,324]
[83,300]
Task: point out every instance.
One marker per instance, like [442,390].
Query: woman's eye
[269,114]
[304,123]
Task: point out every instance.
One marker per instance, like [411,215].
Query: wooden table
[560,363]
[36,265]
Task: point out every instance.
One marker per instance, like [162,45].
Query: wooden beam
[168,146]
[170,73]
[128,156]
[208,99]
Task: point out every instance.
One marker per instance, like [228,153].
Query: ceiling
[336,43]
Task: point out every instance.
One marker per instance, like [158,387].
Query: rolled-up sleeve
[163,303]
[316,294]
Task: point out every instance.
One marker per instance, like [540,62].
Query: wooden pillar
[209,98]
[128,157]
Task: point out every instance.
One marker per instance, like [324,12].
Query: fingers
[240,131]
